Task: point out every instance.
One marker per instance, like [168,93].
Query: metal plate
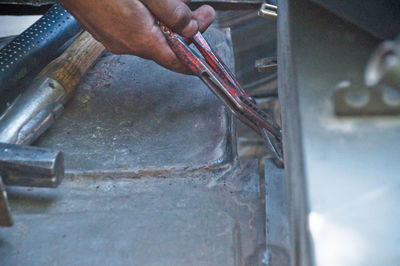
[211,219]
[379,18]
[130,116]
[277,223]
[348,166]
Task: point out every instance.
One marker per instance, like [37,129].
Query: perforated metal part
[27,54]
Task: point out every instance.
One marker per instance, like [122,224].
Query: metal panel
[300,246]
[190,202]
[277,231]
[351,170]
[130,115]
[204,218]
[379,18]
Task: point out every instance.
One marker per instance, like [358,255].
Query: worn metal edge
[227,161]
[301,248]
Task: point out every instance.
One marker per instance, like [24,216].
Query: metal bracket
[381,95]
[268,11]
[266,64]
[364,101]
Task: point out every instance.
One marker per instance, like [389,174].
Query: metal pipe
[41,100]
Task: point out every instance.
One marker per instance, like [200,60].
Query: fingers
[177,15]
[161,53]
[169,60]
[128,26]
[205,15]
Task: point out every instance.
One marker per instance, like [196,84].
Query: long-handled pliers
[214,73]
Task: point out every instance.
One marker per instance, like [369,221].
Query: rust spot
[157,172]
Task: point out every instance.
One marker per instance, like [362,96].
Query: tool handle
[69,67]
[24,57]
[37,108]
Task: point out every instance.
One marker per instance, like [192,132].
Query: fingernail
[191,29]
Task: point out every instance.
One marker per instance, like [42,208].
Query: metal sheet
[300,247]
[130,116]
[350,164]
[277,231]
[379,18]
[211,219]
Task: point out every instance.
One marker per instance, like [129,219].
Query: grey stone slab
[212,219]
[130,116]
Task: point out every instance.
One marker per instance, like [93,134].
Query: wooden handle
[72,65]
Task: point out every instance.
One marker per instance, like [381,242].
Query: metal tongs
[214,73]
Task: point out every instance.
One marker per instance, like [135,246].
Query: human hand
[129,26]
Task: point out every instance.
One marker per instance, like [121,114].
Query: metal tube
[44,98]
